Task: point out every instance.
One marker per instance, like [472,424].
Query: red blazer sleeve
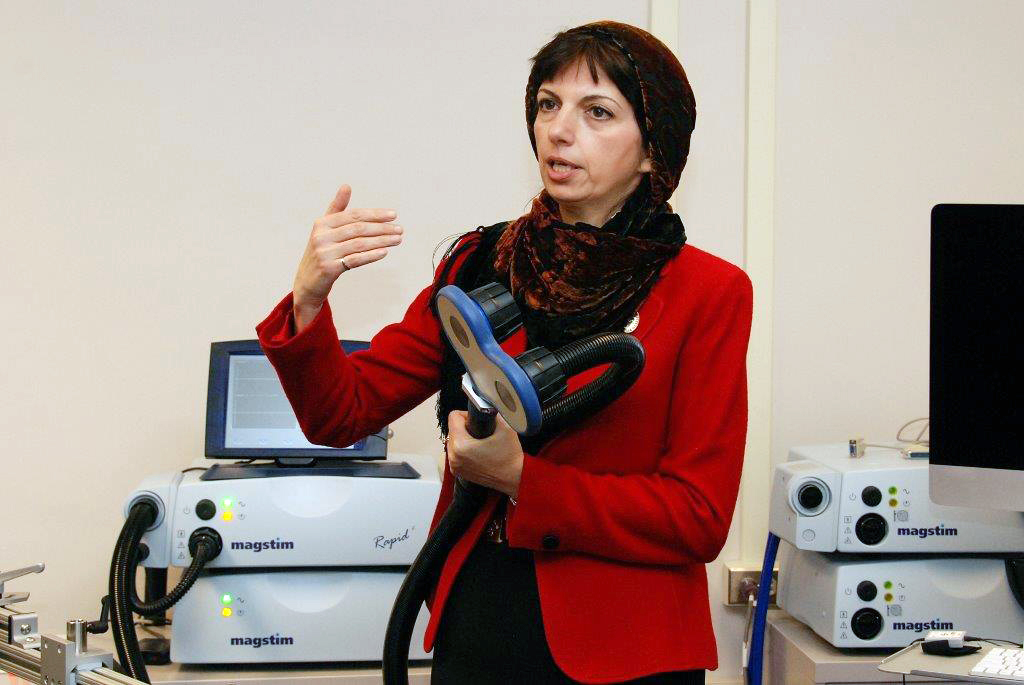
[338,398]
[680,513]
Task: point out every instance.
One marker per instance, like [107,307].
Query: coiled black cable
[185,583]
[623,352]
[204,544]
[626,355]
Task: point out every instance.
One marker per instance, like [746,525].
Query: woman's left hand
[495,462]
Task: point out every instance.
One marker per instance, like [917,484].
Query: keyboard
[1001,665]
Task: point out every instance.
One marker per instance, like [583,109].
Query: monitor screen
[248,415]
[976,388]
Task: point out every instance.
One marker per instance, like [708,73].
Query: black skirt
[491,630]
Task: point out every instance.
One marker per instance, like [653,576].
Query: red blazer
[622,510]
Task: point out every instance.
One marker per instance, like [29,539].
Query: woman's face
[591,126]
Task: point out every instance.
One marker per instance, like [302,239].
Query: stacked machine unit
[313,542]
[867,560]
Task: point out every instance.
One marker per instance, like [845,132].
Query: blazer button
[550,541]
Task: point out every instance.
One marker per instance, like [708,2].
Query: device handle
[481,421]
[12,597]
[17,573]
[482,414]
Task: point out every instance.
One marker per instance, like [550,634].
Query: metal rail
[52,660]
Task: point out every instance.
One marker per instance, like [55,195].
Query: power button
[205,509]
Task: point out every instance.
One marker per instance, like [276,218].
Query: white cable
[916,440]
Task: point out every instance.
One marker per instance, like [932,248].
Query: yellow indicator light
[227,516]
[227,502]
[888,596]
[226,611]
[226,599]
[894,502]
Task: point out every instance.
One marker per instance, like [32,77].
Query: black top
[492,631]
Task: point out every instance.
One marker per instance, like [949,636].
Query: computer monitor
[976,391]
[248,415]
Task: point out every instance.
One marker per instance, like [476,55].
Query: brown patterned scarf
[573,281]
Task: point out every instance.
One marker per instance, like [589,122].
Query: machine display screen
[248,416]
[258,413]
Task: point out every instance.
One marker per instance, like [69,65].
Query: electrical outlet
[740,581]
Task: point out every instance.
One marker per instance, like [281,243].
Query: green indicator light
[888,585]
[893,490]
[225,599]
[227,502]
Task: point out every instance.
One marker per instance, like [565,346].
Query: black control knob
[866,624]
[205,509]
[867,590]
[871,529]
[871,496]
[810,496]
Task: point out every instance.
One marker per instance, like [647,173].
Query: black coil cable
[141,516]
[204,544]
[623,352]
[207,550]
[626,356]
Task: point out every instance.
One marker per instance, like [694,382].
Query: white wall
[162,166]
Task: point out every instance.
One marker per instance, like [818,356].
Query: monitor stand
[324,467]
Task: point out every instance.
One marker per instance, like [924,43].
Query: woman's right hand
[340,240]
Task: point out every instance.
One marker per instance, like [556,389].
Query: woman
[587,562]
